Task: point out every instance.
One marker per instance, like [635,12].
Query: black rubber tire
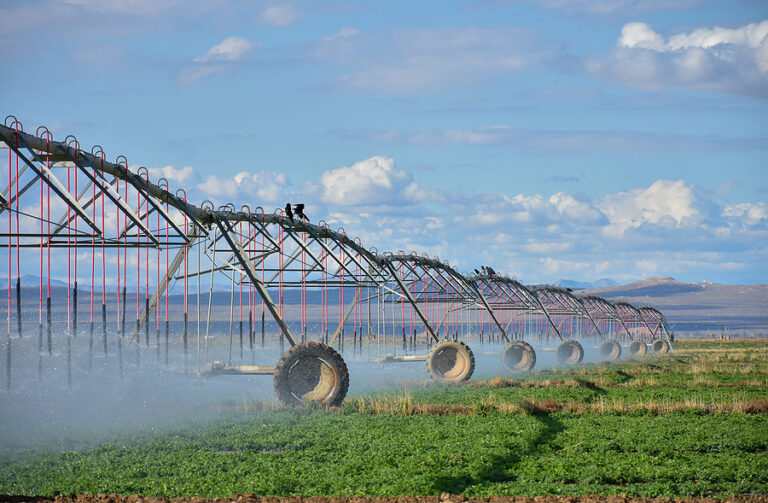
[451,362]
[610,350]
[637,349]
[570,352]
[311,371]
[660,346]
[518,356]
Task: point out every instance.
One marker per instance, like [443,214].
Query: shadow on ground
[502,468]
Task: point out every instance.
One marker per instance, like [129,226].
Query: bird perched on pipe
[288,211]
[298,208]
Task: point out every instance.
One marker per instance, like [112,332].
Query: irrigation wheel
[660,346]
[610,350]
[570,352]
[451,362]
[311,371]
[637,348]
[518,356]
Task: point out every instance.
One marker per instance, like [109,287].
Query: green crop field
[691,423]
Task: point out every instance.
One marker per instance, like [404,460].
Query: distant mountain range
[704,306]
[583,285]
[29,280]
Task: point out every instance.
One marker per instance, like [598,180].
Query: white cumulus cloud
[749,213]
[246,188]
[752,35]
[667,227]
[665,203]
[180,175]
[219,58]
[369,182]
[546,214]
[641,35]
[574,209]
[229,49]
[732,60]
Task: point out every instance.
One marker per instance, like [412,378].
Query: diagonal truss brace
[167,277]
[227,232]
[107,189]
[58,188]
[410,298]
[489,309]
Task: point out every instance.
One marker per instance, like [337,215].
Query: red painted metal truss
[135,244]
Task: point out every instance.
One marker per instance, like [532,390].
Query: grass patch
[285,453]
[649,428]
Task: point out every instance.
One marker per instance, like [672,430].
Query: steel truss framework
[60,196]
[527,312]
[636,322]
[655,322]
[607,316]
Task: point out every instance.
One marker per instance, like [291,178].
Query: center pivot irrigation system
[143,263]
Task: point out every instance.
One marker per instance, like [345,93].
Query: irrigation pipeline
[313,283]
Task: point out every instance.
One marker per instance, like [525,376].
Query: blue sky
[551,139]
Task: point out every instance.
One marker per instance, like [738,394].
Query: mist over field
[151,394]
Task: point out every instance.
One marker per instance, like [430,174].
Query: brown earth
[445,498]
[549,406]
[713,306]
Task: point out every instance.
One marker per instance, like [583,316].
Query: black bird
[288,211]
[491,272]
[477,272]
[299,209]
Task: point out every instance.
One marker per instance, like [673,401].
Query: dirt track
[445,498]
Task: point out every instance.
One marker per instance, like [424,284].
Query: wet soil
[445,498]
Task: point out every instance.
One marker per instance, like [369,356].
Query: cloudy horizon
[559,139]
